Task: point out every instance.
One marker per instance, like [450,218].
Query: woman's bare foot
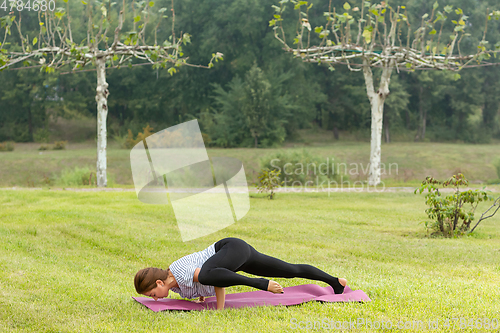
[274,287]
[343,282]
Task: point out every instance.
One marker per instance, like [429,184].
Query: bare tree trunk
[377,104]
[102,113]
[335,132]
[377,100]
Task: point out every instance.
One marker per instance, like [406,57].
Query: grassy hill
[406,163]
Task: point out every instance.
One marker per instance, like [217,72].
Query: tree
[254,111]
[54,46]
[26,96]
[396,103]
[383,38]
[430,87]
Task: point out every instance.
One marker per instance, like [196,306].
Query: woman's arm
[220,295]
[196,272]
[202,299]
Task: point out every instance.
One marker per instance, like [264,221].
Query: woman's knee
[204,277]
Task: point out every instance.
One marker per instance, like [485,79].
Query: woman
[208,272]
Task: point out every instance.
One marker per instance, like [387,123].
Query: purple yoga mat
[291,296]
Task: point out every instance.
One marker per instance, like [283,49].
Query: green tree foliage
[466,109]
[253,112]
[395,107]
[24,99]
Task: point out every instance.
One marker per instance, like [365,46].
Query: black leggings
[233,255]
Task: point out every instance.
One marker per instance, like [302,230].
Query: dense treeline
[259,96]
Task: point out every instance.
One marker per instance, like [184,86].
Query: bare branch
[495,204]
[89,24]
[69,22]
[359,22]
[119,27]
[19,30]
[173,23]
[486,24]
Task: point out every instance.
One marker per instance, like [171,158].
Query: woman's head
[148,278]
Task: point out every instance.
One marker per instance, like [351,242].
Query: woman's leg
[219,270]
[264,265]
[235,255]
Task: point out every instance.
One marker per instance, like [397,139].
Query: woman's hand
[200,300]
[220,295]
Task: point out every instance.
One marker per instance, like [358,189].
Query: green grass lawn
[409,163]
[68,260]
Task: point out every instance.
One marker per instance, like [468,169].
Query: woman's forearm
[220,295]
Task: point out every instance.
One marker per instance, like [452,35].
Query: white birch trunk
[377,100]
[102,113]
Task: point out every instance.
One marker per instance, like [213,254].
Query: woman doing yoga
[208,272]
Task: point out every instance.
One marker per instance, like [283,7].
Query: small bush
[7,146]
[77,177]
[301,167]
[206,139]
[77,129]
[60,145]
[121,141]
[44,147]
[41,135]
[49,180]
[130,142]
[497,166]
[453,214]
[268,181]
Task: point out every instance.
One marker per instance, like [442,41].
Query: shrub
[497,166]
[121,141]
[60,145]
[447,212]
[206,139]
[41,135]
[7,146]
[77,176]
[77,129]
[268,181]
[301,167]
[44,147]
[48,180]
[130,142]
